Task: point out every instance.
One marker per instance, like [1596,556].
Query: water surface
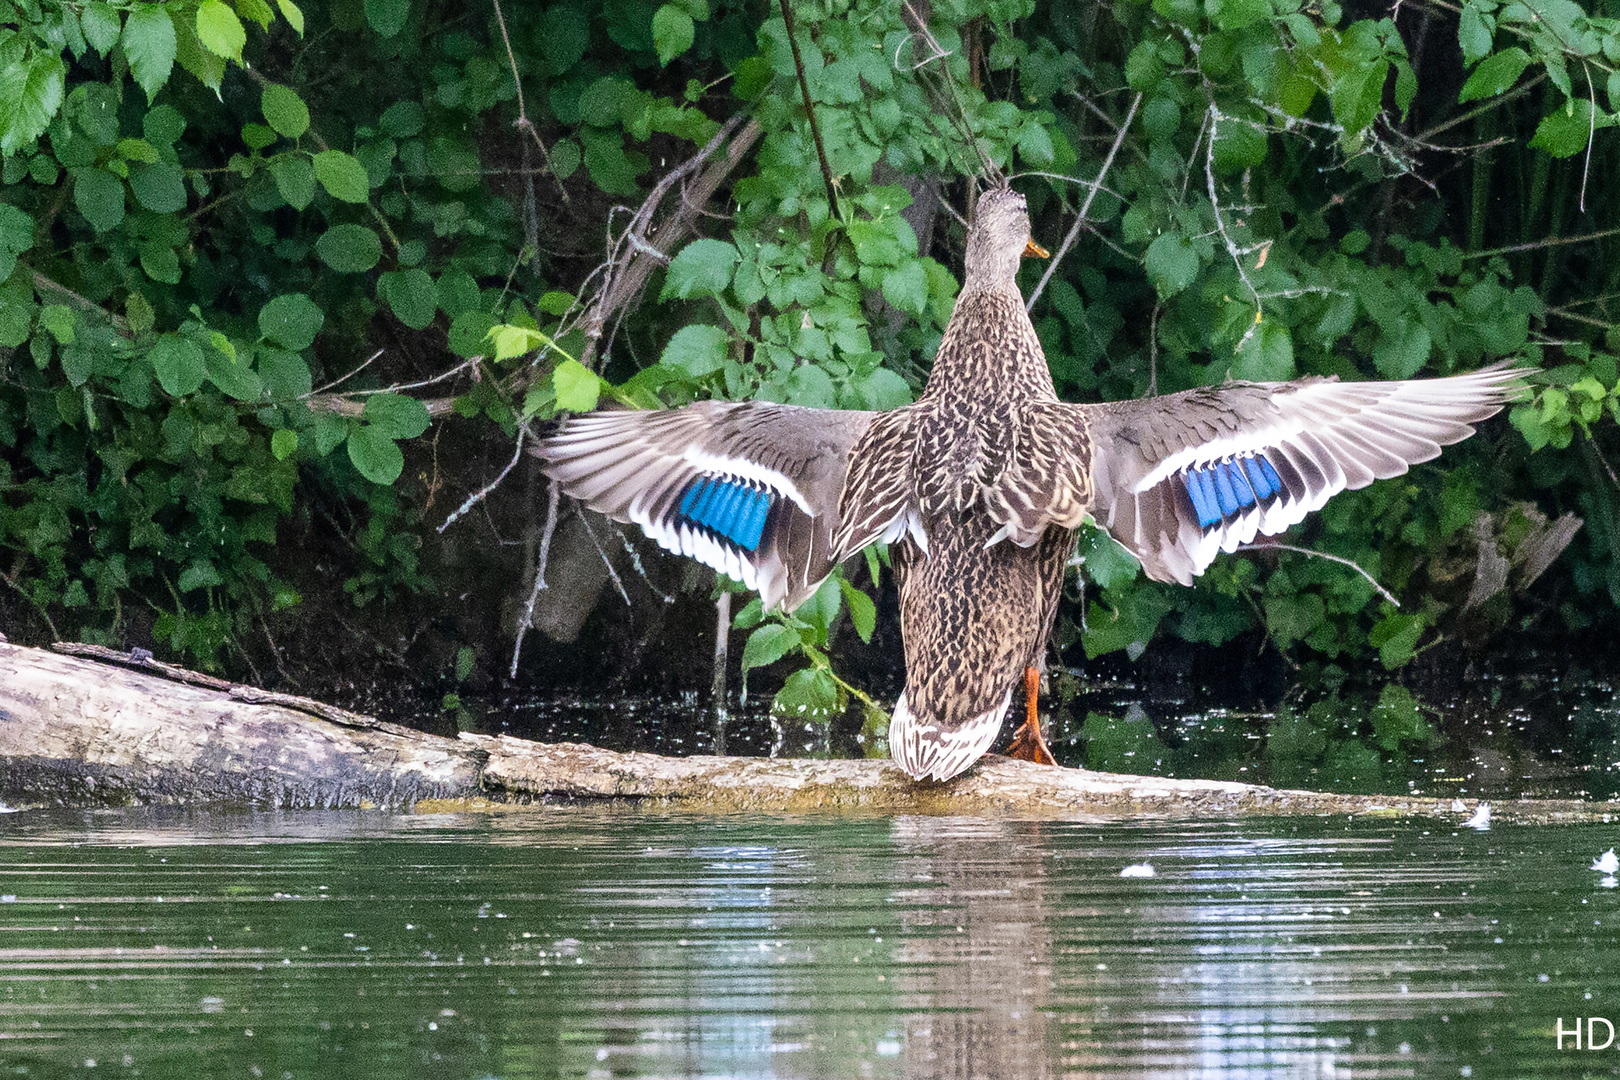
[602,941]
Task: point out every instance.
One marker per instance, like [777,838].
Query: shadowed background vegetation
[283,285]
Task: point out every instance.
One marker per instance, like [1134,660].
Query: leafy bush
[237,239]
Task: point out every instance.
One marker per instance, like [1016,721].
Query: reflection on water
[612,942]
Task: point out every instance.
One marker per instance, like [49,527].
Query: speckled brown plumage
[979,485]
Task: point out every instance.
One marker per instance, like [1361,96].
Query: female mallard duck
[980,484]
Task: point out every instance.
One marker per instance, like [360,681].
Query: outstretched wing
[751,489]
[1180,477]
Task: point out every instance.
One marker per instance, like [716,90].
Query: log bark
[76,732]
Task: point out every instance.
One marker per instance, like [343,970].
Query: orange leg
[1028,744]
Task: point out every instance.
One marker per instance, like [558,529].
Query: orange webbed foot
[1028,744]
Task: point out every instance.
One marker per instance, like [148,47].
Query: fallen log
[77,732]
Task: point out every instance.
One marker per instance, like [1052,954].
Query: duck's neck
[990,348]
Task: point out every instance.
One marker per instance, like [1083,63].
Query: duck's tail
[927,750]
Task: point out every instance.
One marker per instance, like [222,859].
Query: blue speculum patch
[1221,489]
[729,508]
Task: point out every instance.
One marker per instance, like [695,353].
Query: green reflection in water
[603,941]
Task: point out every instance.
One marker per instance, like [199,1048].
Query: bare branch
[810,112]
[540,563]
[1273,545]
[1537,245]
[525,125]
[1085,207]
[478,496]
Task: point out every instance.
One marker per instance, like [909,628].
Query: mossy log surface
[77,732]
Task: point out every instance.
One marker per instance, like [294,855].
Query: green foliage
[213,207]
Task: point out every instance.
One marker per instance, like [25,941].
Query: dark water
[615,942]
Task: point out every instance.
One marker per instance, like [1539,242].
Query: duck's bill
[1032,250]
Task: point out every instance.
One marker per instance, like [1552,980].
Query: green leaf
[283,444]
[387,17]
[1564,132]
[286,376]
[16,231]
[149,46]
[284,110]
[293,14]
[137,150]
[179,365]
[101,26]
[1495,74]
[160,262]
[811,387]
[295,179]
[883,390]
[375,455]
[906,288]
[577,386]
[219,30]
[1402,349]
[410,295]
[342,176]
[673,32]
[232,374]
[469,332]
[291,321]
[403,119]
[862,611]
[199,575]
[17,309]
[1358,94]
[511,341]
[1108,562]
[349,249]
[396,416]
[1396,638]
[58,320]
[1267,355]
[1035,145]
[30,95]
[808,694]
[160,187]
[1475,31]
[1236,14]
[697,350]
[1171,263]
[768,644]
[99,196]
[702,268]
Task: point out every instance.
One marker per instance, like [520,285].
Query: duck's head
[999,238]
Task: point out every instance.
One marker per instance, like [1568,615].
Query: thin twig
[335,382]
[810,113]
[958,113]
[527,622]
[1494,103]
[1537,245]
[1591,134]
[612,573]
[1085,207]
[1153,349]
[397,387]
[478,496]
[1273,545]
[523,123]
[55,636]
[1232,249]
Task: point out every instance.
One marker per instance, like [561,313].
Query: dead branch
[1085,207]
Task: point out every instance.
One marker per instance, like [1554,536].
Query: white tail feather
[927,751]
